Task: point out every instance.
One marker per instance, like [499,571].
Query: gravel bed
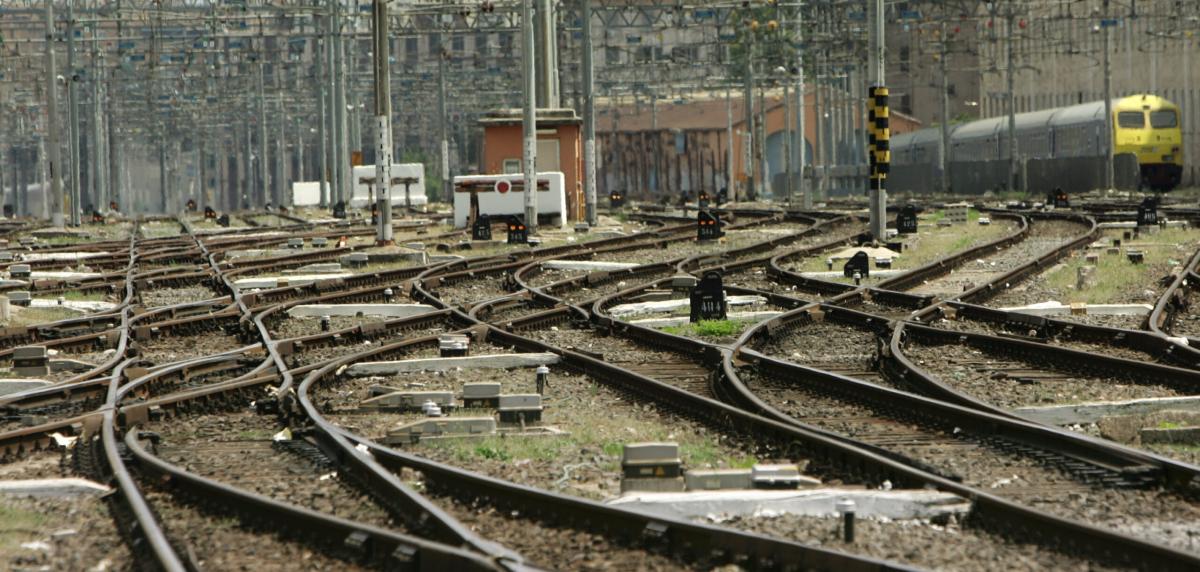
[921,249]
[1009,382]
[314,355]
[169,349]
[75,533]
[833,347]
[1187,325]
[295,327]
[236,448]
[172,296]
[472,290]
[555,547]
[1115,280]
[585,461]
[757,278]
[552,275]
[219,543]
[1043,237]
[1001,328]
[917,543]
[1158,516]
[586,294]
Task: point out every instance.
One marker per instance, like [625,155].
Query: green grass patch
[929,244]
[17,525]
[31,316]
[1115,279]
[1169,425]
[602,431]
[708,328]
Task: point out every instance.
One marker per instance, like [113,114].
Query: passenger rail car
[1065,142]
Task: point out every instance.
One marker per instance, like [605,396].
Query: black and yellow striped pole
[879,135]
[878,132]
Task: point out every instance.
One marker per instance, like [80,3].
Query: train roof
[1092,111]
[921,136]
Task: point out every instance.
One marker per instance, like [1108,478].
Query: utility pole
[1109,175]
[730,180]
[529,121]
[383,125]
[787,137]
[589,117]
[97,162]
[547,59]
[323,156]
[801,137]
[443,130]
[55,164]
[1012,103]
[879,114]
[748,121]
[328,80]
[263,173]
[279,188]
[945,104]
[73,114]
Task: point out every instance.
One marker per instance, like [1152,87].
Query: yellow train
[1148,126]
[1062,147]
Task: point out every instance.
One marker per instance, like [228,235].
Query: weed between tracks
[709,328]
[930,243]
[599,433]
[1116,279]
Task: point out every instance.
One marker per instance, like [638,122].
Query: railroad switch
[484,394]
[454,345]
[20,271]
[30,361]
[20,298]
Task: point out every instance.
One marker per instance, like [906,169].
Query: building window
[612,55]
[506,44]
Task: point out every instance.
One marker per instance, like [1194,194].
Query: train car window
[1131,119]
[1164,119]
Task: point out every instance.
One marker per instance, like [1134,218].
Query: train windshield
[1164,119]
[1131,119]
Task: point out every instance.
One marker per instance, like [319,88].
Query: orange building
[559,148]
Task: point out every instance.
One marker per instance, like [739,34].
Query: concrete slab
[44,275]
[61,256]
[60,488]
[322,268]
[1055,308]
[680,320]
[1133,224]
[259,252]
[838,274]
[491,361]
[1175,435]
[1095,411]
[381,310]
[873,252]
[675,304]
[84,306]
[295,280]
[895,505]
[8,385]
[588,265]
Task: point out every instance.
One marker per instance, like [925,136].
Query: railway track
[175,425]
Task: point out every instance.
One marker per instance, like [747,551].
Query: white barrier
[551,201]
[306,193]
[416,190]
